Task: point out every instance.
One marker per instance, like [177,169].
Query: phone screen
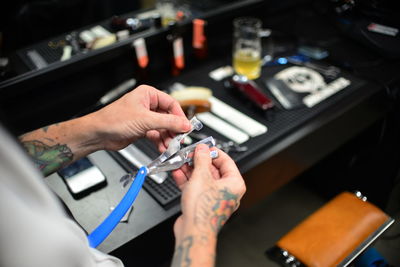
[82,176]
[75,168]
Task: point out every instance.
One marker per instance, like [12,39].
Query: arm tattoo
[48,158]
[214,208]
[46,128]
[223,209]
[181,256]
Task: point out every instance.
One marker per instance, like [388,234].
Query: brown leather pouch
[335,234]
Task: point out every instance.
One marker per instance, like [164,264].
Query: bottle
[199,41]
[175,40]
[142,58]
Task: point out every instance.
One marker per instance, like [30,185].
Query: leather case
[335,234]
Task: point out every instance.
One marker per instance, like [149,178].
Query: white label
[140,47]
[178,47]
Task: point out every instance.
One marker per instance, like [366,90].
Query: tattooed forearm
[46,128]
[181,256]
[48,158]
[214,208]
[223,209]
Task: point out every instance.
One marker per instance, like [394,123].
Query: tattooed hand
[211,192]
[145,111]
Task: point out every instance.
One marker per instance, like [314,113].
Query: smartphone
[82,177]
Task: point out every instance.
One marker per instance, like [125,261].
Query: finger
[155,137]
[180,178]
[170,122]
[215,173]
[226,165]
[165,137]
[160,102]
[187,170]
[202,159]
[167,103]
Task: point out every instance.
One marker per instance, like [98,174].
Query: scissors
[171,159]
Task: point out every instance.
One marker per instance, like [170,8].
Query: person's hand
[211,192]
[145,111]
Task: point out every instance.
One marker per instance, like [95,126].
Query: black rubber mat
[280,122]
[167,193]
[50,55]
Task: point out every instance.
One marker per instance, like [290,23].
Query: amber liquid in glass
[247,62]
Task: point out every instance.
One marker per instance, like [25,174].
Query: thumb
[169,122]
[202,159]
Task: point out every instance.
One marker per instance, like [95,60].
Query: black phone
[82,177]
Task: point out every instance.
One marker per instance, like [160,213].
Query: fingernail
[187,125]
[202,147]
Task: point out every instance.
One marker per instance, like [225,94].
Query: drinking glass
[247,47]
[167,10]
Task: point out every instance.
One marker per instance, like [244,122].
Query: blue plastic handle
[370,258]
[107,226]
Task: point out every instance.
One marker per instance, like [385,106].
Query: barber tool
[245,123]
[228,121]
[222,127]
[251,91]
[226,146]
[329,71]
[138,158]
[193,99]
[171,159]
[288,98]
[116,92]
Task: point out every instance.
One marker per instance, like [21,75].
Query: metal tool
[226,146]
[173,158]
[175,161]
[138,158]
[175,144]
[173,147]
[328,71]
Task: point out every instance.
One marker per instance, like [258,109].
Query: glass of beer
[167,10]
[247,47]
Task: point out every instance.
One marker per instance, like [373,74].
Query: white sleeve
[34,229]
